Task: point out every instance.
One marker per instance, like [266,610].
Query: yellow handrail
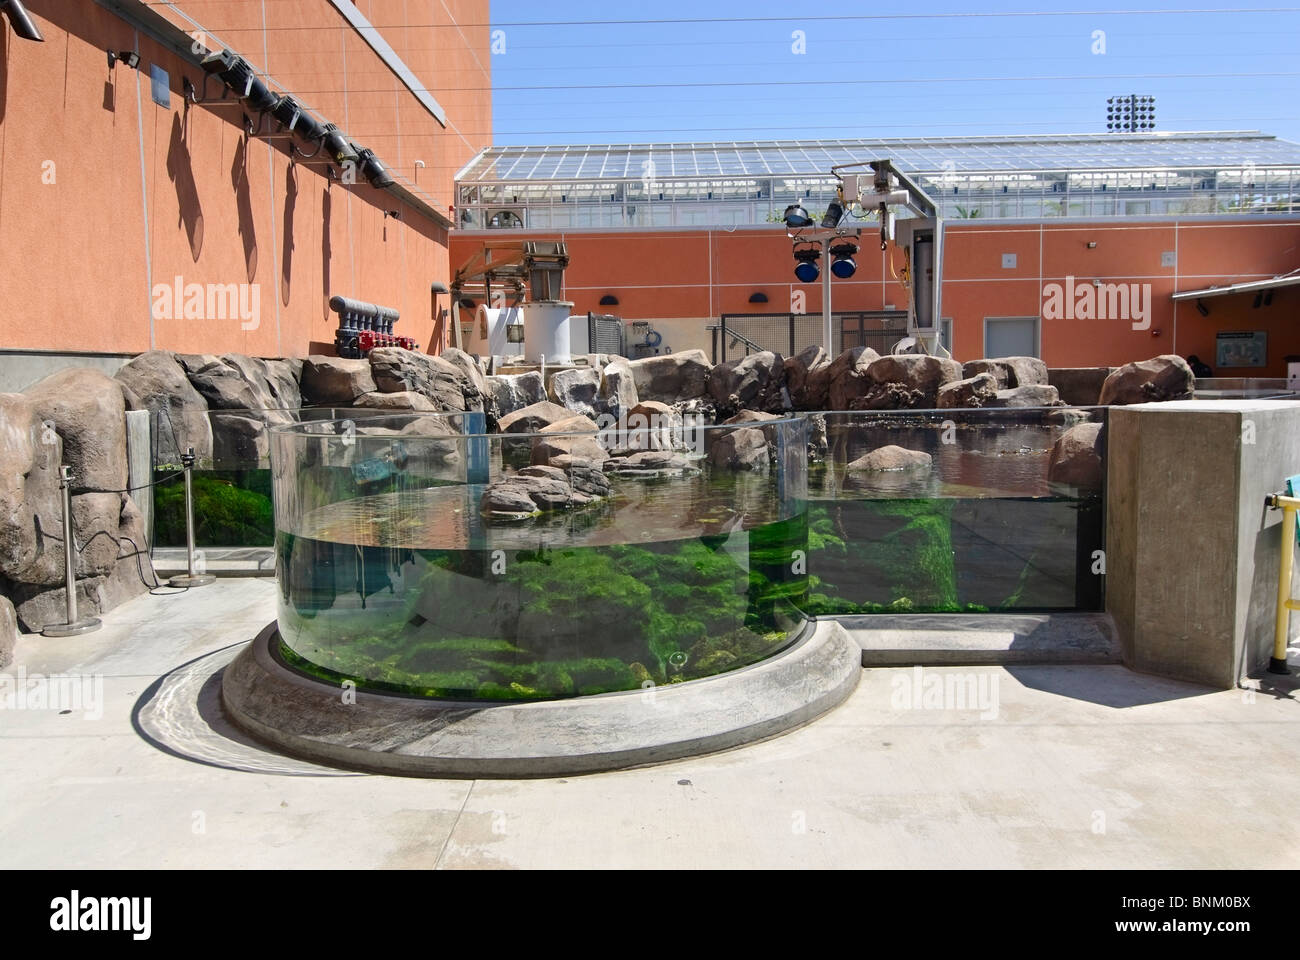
[1285,602]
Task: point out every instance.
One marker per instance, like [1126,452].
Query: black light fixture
[1202,309]
[805,267]
[372,169]
[834,214]
[796,216]
[844,266]
[238,74]
[295,118]
[129,57]
[395,214]
[21,20]
[609,300]
[339,149]
[759,297]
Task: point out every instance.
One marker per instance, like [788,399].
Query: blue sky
[740,78]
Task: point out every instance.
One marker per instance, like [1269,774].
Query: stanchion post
[193,578]
[74,625]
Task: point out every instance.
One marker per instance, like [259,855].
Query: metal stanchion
[74,625]
[193,578]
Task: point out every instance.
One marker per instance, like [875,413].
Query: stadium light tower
[1130,114]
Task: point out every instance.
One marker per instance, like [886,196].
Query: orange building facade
[683,281]
[116,192]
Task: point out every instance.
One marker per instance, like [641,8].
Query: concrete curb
[408,736]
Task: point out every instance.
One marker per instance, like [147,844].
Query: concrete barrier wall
[1191,552]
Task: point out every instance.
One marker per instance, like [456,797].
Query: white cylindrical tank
[497,343]
[546,331]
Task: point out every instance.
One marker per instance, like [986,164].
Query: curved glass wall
[959,510]
[232,476]
[419,560]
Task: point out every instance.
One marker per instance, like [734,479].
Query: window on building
[1011,337]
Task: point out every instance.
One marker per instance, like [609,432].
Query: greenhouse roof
[732,158]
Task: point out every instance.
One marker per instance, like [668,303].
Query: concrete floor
[1082,766]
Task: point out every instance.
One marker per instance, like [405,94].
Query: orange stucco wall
[105,194]
[686,278]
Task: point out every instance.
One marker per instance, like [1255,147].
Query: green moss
[232,508]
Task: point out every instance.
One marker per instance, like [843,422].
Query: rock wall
[221,405]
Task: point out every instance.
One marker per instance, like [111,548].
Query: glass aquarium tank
[416,558]
[940,511]
[232,487]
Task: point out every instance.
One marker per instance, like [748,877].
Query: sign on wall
[1241,348]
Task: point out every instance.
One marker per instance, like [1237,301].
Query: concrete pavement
[1020,766]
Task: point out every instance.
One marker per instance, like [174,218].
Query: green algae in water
[500,614]
[232,508]
[945,554]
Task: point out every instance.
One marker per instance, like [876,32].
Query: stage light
[796,216]
[806,269]
[372,169]
[844,266]
[237,74]
[834,214]
[297,120]
[337,145]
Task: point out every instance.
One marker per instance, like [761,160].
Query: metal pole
[1277,663]
[72,626]
[192,578]
[826,297]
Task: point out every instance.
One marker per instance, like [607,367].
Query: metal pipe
[72,626]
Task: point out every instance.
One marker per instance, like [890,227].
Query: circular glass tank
[419,559]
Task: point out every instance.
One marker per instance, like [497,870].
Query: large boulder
[574,437]
[671,377]
[753,382]
[335,381]
[1038,395]
[860,380]
[846,377]
[891,457]
[474,388]
[977,391]
[396,369]
[31,506]
[742,449]
[535,416]
[1167,377]
[89,413]
[1079,386]
[272,382]
[178,412]
[576,389]
[650,425]
[1009,372]
[8,632]
[799,373]
[1077,459]
[512,392]
[618,388]
[224,385]
[239,441]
